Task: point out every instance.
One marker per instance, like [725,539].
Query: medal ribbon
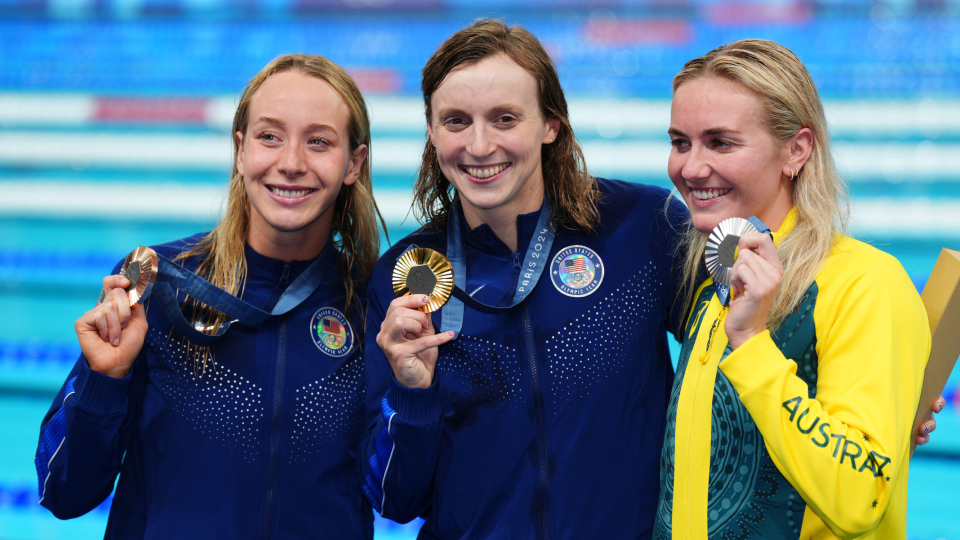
[171,276]
[535,260]
[723,291]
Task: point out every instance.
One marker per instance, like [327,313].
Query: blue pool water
[52,260]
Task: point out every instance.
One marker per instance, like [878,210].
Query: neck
[301,245]
[503,219]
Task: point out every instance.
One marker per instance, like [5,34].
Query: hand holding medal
[743,261]
[427,272]
[111,334]
[423,282]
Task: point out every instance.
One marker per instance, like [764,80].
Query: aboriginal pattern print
[748,498]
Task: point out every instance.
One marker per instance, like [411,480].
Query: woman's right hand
[408,339]
[111,334]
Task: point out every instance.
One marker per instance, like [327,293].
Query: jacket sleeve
[398,454]
[82,441]
[845,448]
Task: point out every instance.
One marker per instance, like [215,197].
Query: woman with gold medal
[254,436]
[531,403]
[802,361]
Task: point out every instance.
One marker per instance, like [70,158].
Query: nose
[481,143]
[291,160]
[696,165]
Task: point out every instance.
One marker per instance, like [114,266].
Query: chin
[706,223]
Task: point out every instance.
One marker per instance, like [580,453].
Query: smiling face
[724,161]
[294,157]
[488,129]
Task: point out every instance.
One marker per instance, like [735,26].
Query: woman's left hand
[926,428]
[754,280]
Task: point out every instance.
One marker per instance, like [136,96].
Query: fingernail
[941,408]
[116,341]
[926,429]
[450,333]
[424,299]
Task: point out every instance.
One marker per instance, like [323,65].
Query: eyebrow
[707,132]
[311,127]
[719,130]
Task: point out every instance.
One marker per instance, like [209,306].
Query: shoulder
[651,210]
[176,247]
[859,277]
[619,195]
[853,261]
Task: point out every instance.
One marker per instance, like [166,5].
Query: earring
[793,175]
[551,140]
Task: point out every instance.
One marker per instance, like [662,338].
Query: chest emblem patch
[576,271]
[331,332]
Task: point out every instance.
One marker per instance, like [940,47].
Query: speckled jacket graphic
[261,444]
[545,421]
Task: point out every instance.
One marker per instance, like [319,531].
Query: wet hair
[355,215]
[790,102]
[572,192]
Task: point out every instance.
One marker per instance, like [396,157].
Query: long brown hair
[790,102]
[572,192]
[355,216]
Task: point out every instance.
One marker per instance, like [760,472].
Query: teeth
[289,194]
[704,194]
[484,172]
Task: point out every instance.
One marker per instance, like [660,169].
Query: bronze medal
[140,267]
[424,271]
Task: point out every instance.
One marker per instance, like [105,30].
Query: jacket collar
[266,268]
[789,222]
[484,239]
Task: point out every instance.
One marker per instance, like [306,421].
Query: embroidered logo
[576,271]
[331,332]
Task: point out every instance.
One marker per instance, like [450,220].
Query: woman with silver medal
[249,432]
[531,403]
[804,350]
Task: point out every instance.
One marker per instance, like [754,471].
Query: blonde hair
[354,227]
[572,192]
[790,102]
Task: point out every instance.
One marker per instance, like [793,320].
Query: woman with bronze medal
[804,350]
[249,432]
[531,403]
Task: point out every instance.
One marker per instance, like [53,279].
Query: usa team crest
[576,271]
[331,332]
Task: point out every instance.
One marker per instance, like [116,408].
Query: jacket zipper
[275,430]
[703,359]
[541,425]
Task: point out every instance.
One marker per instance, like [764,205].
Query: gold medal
[140,267]
[424,271]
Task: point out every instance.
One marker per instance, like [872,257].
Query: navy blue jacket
[263,445]
[545,421]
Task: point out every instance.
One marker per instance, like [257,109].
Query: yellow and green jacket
[802,432]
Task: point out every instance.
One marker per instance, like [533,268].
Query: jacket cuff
[415,405]
[101,392]
[753,362]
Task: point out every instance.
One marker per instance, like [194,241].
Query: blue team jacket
[263,445]
[545,421]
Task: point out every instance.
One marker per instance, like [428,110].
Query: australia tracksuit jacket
[803,432]
[545,421]
[262,445]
